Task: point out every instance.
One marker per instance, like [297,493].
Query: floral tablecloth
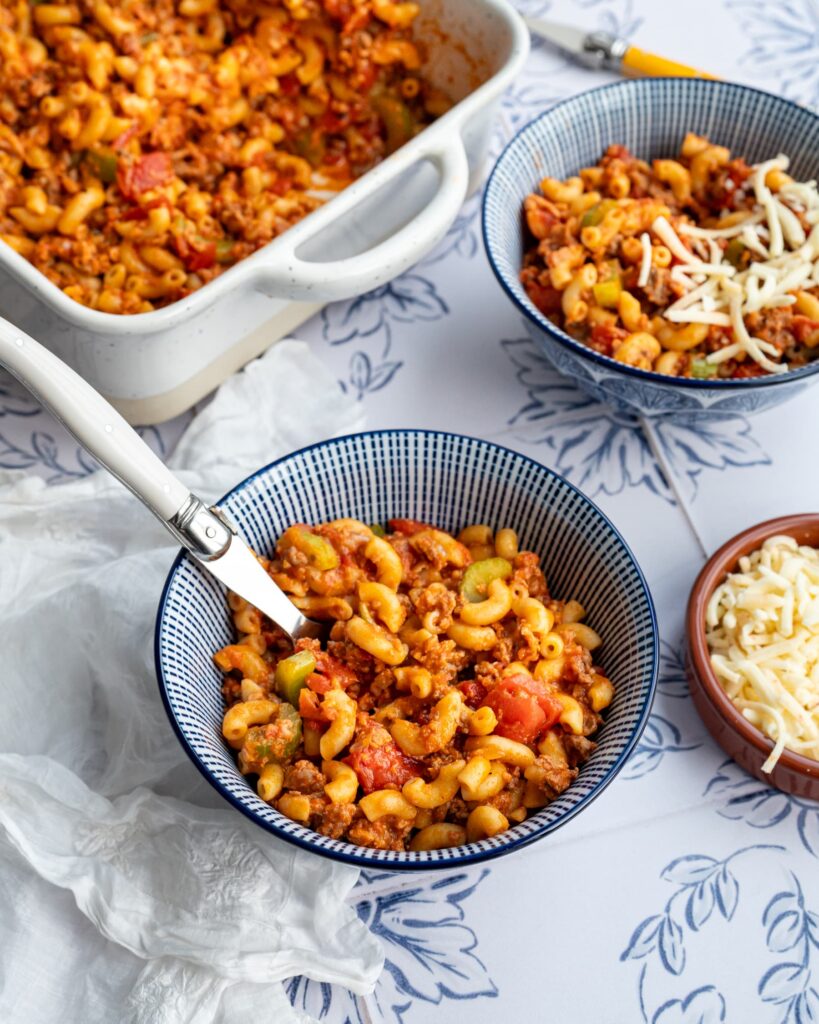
[689,894]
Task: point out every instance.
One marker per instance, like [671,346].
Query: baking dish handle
[304,280]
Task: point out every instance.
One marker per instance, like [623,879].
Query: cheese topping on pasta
[762,628]
[787,260]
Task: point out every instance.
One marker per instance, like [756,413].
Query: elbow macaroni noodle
[401,737]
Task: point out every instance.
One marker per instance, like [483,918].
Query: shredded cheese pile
[787,259]
[762,628]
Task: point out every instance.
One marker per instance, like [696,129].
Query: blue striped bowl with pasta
[448,480]
[650,117]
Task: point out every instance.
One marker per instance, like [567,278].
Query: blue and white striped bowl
[451,481]
[651,116]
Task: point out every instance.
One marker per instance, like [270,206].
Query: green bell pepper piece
[734,252]
[607,293]
[594,214]
[320,552]
[378,529]
[479,575]
[104,165]
[224,250]
[703,370]
[291,675]
[311,147]
[397,118]
[277,741]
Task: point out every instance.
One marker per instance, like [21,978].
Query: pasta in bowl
[460,709]
[662,247]
[698,266]
[455,696]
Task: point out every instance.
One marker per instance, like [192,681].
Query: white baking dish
[154,365]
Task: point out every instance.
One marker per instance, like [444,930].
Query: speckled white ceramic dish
[154,365]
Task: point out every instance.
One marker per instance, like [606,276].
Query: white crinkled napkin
[130,893]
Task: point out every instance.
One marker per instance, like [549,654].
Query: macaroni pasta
[700,266]
[145,147]
[458,697]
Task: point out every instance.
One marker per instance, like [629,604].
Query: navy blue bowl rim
[545,324]
[361,860]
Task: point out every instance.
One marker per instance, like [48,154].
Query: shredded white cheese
[762,628]
[786,260]
[645,263]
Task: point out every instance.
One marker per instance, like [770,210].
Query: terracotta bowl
[742,741]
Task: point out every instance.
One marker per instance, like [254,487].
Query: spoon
[207,533]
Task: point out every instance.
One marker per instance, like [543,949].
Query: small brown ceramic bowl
[742,741]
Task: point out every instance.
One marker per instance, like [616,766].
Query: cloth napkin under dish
[130,893]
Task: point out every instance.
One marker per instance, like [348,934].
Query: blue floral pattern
[42,450]
[791,928]
[705,888]
[702,1006]
[15,400]
[741,797]
[784,44]
[463,238]
[603,450]
[371,319]
[430,951]
[673,681]
[660,737]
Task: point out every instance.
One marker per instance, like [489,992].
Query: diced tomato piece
[749,369]
[135,213]
[523,708]
[319,683]
[547,300]
[604,336]
[150,171]
[197,255]
[407,526]
[289,85]
[310,706]
[281,186]
[334,670]
[473,691]
[378,761]
[141,212]
[379,767]
[126,136]
[803,327]
[333,122]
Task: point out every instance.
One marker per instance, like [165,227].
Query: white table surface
[689,893]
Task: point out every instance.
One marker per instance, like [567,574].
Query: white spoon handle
[94,423]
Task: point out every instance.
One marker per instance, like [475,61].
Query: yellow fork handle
[644,63]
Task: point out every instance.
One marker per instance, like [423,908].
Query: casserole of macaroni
[145,147]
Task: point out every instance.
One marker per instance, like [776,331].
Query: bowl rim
[723,561]
[533,314]
[363,860]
